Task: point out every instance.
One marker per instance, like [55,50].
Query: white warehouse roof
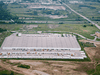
[32,42]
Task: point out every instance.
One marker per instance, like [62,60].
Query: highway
[82,15]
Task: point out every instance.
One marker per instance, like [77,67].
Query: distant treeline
[6,15]
[87,6]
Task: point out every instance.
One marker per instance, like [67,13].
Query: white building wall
[10,48]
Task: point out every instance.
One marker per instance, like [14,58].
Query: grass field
[98,39]
[75,28]
[88,9]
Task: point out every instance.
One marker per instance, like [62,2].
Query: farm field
[40,14]
[89,9]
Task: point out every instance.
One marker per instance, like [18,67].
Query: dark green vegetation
[7,72]
[2,30]
[6,15]
[87,44]
[90,69]
[98,39]
[85,59]
[24,66]
[97,70]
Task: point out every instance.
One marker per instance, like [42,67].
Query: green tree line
[6,15]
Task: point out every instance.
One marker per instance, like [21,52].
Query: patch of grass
[4,60]
[86,67]
[75,69]
[95,71]
[75,28]
[91,71]
[87,44]
[48,63]
[67,70]
[24,66]
[7,72]
[97,39]
[13,63]
[82,48]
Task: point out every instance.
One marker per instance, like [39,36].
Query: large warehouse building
[26,41]
[42,45]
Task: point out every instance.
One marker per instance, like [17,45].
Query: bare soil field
[44,67]
[50,67]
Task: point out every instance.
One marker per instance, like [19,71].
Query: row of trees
[24,66]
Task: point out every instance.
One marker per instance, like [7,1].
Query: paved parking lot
[54,54]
